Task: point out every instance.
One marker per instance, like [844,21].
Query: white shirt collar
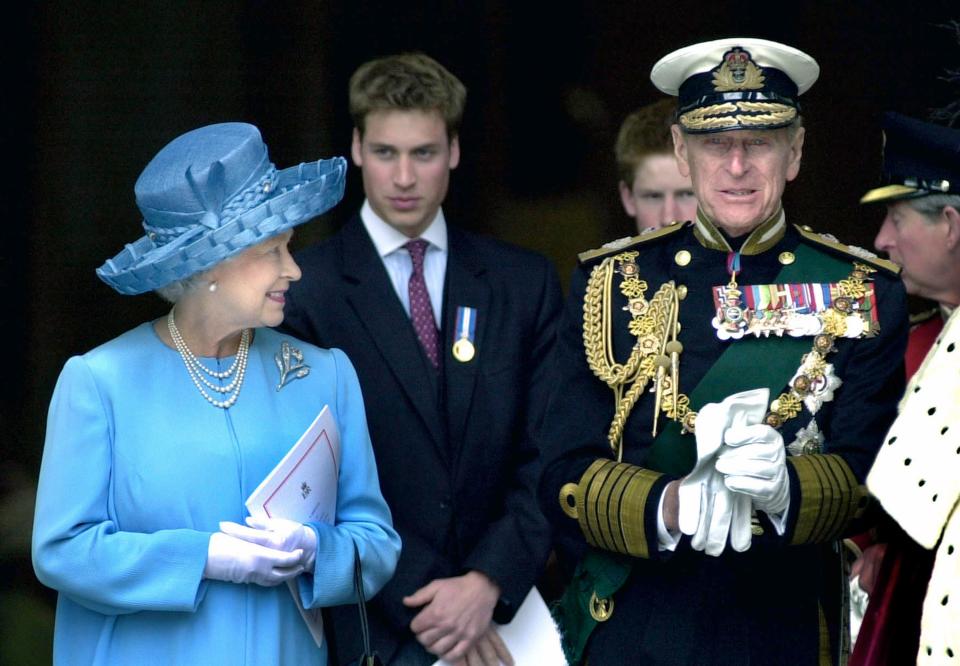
[388,240]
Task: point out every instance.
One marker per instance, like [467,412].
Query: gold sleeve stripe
[611,498]
[604,518]
[590,485]
[610,507]
[829,497]
[616,503]
[853,493]
[830,488]
[632,510]
[833,500]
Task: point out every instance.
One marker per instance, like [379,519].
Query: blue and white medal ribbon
[465,333]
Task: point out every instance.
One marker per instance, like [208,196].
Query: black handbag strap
[368,658]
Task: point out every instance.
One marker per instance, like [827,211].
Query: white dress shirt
[396,259]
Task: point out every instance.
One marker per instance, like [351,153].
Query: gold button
[807,227]
[600,609]
[787,258]
[682,291]
[756,530]
[682,258]
[673,223]
[568,499]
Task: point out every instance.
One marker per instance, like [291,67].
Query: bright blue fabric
[138,470]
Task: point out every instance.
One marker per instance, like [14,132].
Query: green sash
[599,572]
[746,364]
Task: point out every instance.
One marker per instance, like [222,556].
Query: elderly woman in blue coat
[156,438]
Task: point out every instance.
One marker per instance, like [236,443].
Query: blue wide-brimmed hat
[919,159]
[210,194]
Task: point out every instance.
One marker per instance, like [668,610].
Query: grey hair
[795,126]
[174,291]
[932,205]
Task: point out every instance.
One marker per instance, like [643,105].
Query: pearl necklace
[197,370]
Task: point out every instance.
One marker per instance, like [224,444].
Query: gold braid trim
[761,114]
[611,500]
[789,404]
[708,123]
[625,406]
[768,118]
[713,110]
[596,329]
[765,107]
[830,497]
[653,324]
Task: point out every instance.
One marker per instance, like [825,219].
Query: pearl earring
[212,287]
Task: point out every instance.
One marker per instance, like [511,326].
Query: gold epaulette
[631,241]
[858,254]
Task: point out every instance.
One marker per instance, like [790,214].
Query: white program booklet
[532,636]
[303,487]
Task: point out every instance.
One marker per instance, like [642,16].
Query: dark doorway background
[94,89]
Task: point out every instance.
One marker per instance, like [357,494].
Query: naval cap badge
[737,71]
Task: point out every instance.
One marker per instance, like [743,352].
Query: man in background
[915,476]
[652,189]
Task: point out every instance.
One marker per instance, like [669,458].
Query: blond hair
[406,82]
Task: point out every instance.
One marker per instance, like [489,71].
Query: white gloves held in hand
[279,534]
[238,561]
[741,466]
[710,511]
[754,463]
[268,552]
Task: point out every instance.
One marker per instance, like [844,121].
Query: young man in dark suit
[450,334]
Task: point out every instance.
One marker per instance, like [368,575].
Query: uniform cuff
[611,506]
[830,497]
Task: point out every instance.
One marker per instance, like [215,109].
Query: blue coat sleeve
[363,517]
[78,548]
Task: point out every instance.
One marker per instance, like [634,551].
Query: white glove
[709,510]
[279,534]
[754,463]
[238,561]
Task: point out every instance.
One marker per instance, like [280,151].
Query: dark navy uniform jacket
[778,602]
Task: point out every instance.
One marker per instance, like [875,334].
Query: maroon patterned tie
[421,312]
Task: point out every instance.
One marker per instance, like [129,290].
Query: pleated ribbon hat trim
[210,194]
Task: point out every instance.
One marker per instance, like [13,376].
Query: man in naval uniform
[726,384]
